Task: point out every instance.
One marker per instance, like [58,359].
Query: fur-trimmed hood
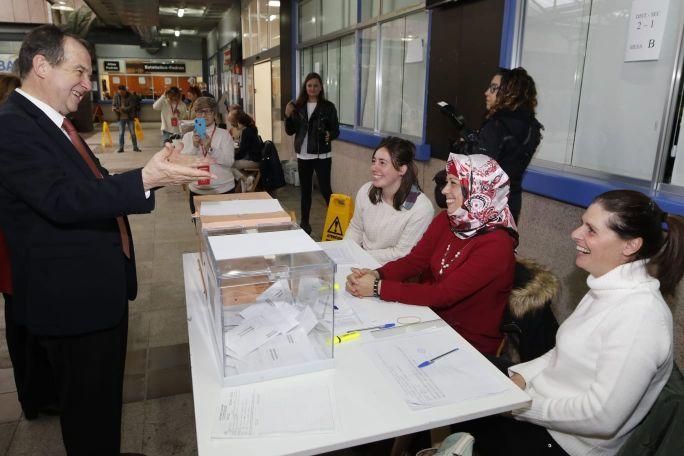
[534,286]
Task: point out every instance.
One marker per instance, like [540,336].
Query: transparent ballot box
[270,301]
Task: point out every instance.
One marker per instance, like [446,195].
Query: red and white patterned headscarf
[485,196]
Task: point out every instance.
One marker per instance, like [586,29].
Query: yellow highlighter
[346,337]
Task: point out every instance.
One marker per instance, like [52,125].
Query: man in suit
[70,247]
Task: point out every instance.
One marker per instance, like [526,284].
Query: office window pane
[345,110]
[337,14]
[392,58]
[254,26]
[246,42]
[307,20]
[393,5]
[305,65]
[368,76]
[369,9]
[331,79]
[320,60]
[262,18]
[274,26]
[415,61]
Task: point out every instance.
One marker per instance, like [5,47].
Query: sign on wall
[7,62]
[646,29]
[111,65]
[154,67]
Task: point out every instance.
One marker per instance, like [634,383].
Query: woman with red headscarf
[465,258]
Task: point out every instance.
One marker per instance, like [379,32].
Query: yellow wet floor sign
[106,135]
[340,211]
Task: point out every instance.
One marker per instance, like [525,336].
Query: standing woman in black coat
[510,133]
[313,121]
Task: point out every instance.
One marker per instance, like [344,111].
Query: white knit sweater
[384,232]
[613,355]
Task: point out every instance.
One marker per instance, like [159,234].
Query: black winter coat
[251,146]
[324,118]
[511,138]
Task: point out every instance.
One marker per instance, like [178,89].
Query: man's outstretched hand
[170,167]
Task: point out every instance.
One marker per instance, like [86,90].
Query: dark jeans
[502,436]
[130,125]
[89,370]
[192,201]
[32,374]
[306,168]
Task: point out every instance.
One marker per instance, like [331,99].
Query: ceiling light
[173,11]
[181,12]
[272,17]
[176,32]
[274,3]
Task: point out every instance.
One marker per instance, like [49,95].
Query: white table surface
[367,407]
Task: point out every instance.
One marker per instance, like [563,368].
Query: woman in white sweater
[391,213]
[215,143]
[614,353]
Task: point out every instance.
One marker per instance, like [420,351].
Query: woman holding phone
[313,121]
[209,140]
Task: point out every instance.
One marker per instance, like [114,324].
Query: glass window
[337,14]
[274,26]
[345,109]
[600,112]
[262,19]
[254,27]
[369,9]
[306,66]
[331,78]
[393,5]
[320,60]
[246,41]
[307,20]
[368,77]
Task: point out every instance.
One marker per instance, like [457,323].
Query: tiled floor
[158,411]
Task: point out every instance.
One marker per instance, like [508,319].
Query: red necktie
[80,147]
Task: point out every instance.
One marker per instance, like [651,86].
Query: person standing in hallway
[125,105]
[313,121]
[70,246]
[216,144]
[172,111]
[510,133]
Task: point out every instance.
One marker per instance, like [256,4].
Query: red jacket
[5,276]
[473,290]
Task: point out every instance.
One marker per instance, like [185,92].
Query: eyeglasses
[493,88]
[204,112]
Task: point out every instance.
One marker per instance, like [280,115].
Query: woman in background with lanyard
[313,121]
[216,143]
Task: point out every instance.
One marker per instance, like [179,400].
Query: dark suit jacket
[69,273]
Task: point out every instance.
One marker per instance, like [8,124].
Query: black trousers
[32,374]
[89,370]
[192,201]
[306,168]
[503,436]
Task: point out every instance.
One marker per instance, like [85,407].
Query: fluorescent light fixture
[181,12]
[176,32]
[173,11]
[274,3]
[170,31]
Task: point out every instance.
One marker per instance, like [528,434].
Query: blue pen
[385,326]
[430,361]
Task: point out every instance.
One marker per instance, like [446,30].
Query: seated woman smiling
[391,212]
[465,258]
[614,353]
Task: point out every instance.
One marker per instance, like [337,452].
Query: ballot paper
[279,291]
[283,350]
[238,207]
[454,378]
[268,409]
[231,246]
[340,252]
